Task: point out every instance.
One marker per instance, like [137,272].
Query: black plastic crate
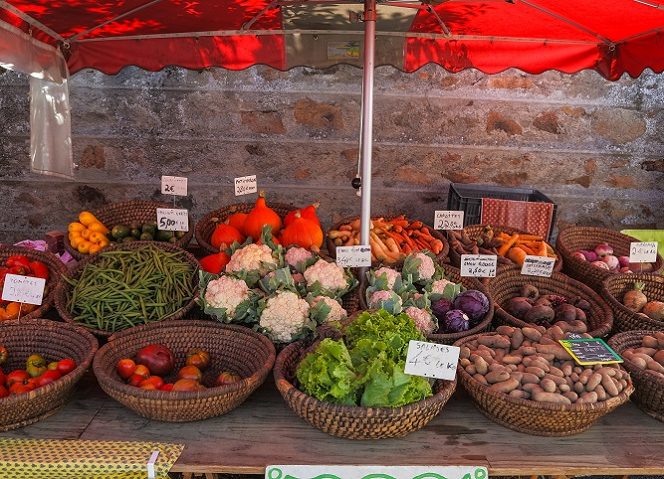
[468,198]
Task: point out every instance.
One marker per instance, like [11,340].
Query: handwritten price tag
[538,266]
[643,252]
[589,351]
[432,360]
[172,219]
[245,185]
[479,265]
[448,220]
[23,289]
[358,256]
[174,185]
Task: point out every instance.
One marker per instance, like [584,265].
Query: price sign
[375,472]
[432,360]
[358,256]
[479,265]
[538,266]
[643,252]
[172,219]
[23,289]
[174,185]
[448,220]
[589,351]
[245,185]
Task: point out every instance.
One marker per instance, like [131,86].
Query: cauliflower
[422,318]
[443,288]
[328,279]
[438,286]
[285,317]
[298,258]
[251,262]
[390,275]
[419,266]
[336,311]
[228,299]
[387,300]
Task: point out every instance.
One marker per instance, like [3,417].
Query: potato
[594,381]
[518,375]
[558,351]
[504,386]
[481,379]
[557,380]
[470,369]
[531,333]
[655,366]
[527,378]
[650,342]
[518,393]
[649,351]
[551,397]
[495,341]
[601,393]
[532,388]
[517,339]
[526,350]
[588,398]
[481,365]
[497,377]
[564,388]
[556,333]
[579,387]
[567,369]
[506,330]
[660,339]
[659,356]
[609,385]
[548,385]
[512,358]
[497,367]
[464,352]
[638,362]
[571,395]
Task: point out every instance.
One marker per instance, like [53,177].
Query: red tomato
[3,392]
[166,387]
[227,377]
[2,377]
[20,388]
[125,368]
[190,372]
[135,380]
[153,382]
[18,376]
[142,371]
[39,269]
[47,378]
[198,358]
[187,385]
[157,357]
[65,366]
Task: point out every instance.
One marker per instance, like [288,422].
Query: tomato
[35,365]
[166,387]
[198,358]
[227,377]
[4,354]
[187,385]
[153,382]
[4,392]
[135,380]
[39,269]
[125,368]
[20,388]
[48,377]
[190,372]
[142,371]
[52,366]
[18,376]
[18,260]
[2,377]
[65,366]
[157,357]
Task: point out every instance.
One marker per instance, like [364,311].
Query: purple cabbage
[456,321]
[472,302]
[440,307]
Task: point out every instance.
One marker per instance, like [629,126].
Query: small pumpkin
[225,235]
[308,212]
[259,216]
[302,232]
[236,220]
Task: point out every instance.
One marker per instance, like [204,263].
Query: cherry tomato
[20,388]
[47,378]
[2,377]
[142,371]
[39,269]
[18,376]
[198,358]
[4,392]
[166,387]
[135,380]
[125,368]
[153,382]
[190,372]
[67,365]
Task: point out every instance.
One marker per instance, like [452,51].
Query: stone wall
[595,147]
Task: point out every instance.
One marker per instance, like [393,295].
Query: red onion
[612,261]
[603,249]
[590,255]
[625,269]
[580,255]
[623,260]
[600,264]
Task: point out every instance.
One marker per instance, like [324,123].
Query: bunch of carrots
[390,239]
[510,248]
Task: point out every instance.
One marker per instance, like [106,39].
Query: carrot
[416,225]
[542,250]
[517,255]
[529,237]
[505,247]
[437,246]
[527,249]
[392,246]
[406,249]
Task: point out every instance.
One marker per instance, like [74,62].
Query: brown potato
[531,333]
[649,342]
[517,339]
[504,386]
[551,397]
[594,381]
[495,341]
[588,398]
[497,377]
[548,385]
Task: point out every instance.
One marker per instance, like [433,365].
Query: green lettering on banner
[374,472]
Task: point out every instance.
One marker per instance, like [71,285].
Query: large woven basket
[234,348]
[453,274]
[64,289]
[474,231]
[614,288]
[54,341]
[354,422]
[442,256]
[649,385]
[55,268]
[532,417]
[576,238]
[206,225]
[127,212]
[509,283]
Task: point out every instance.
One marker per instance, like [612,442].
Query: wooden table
[265,431]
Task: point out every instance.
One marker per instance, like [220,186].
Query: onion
[634,299]
[603,249]
[623,260]
[590,255]
[625,269]
[612,261]
[601,264]
[654,310]
[579,255]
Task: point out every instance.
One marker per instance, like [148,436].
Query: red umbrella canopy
[490,35]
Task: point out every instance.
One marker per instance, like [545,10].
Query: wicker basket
[454,275]
[206,225]
[442,256]
[509,283]
[532,417]
[55,341]
[55,268]
[127,212]
[354,422]
[64,289]
[235,348]
[649,394]
[614,288]
[474,231]
[576,238]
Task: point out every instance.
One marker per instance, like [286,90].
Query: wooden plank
[265,431]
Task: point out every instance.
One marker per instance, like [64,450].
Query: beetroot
[518,306]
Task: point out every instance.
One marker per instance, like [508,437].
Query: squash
[236,220]
[225,235]
[259,216]
[302,232]
[308,212]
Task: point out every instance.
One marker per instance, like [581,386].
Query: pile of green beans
[124,288]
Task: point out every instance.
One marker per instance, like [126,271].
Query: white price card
[174,185]
[432,360]
[375,472]
[479,265]
[643,252]
[172,219]
[358,256]
[448,220]
[23,289]
[538,266]
[245,185]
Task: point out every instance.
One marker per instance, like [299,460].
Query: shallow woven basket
[54,341]
[474,231]
[442,256]
[614,288]
[354,422]
[55,268]
[532,417]
[649,394]
[509,283]
[64,289]
[128,212]
[206,225]
[453,274]
[575,238]
[235,348]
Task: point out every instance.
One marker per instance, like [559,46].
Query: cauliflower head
[336,311]
[331,278]
[285,316]
[298,258]
[226,292]
[419,267]
[391,275]
[423,319]
[387,300]
[251,262]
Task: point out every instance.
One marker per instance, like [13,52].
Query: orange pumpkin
[308,212]
[236,220]
[224,235]
[302,232]
[259,216]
